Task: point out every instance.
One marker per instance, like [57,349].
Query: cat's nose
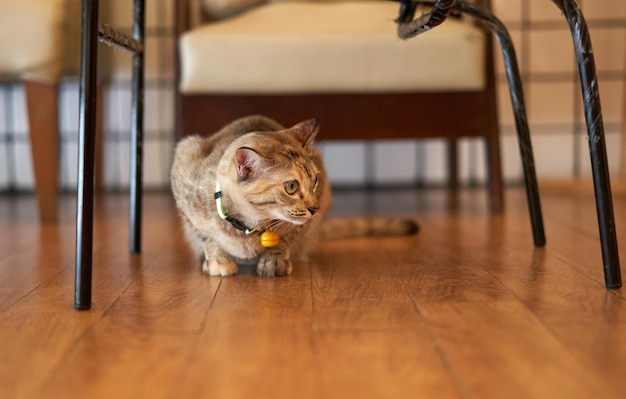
[313,210]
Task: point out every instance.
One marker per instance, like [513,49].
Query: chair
[91,34]
[341,62]
[39,53]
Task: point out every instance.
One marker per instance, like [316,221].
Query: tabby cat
[258,192]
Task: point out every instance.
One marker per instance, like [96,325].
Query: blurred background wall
[547,63]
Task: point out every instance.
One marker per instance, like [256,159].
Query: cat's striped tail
[335,229]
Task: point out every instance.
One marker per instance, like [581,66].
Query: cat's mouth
[294,218]
[300,217]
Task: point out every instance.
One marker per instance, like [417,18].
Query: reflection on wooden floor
[467,309]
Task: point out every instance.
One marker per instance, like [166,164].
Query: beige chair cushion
[310,47]
[39,40]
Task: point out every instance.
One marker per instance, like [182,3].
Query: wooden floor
[466,309]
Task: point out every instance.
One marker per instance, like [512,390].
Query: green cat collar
[221,211]
[268,239]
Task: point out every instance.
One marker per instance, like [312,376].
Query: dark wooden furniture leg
[453,167]
[42,104]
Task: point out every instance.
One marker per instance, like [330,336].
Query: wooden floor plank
[433,273]
[367,328]
[476,316]
[468,308]
[501,350]
[381,364]
[557,294]
[350,294]
[256,341]
[113,362]
[44,323]
[169,293]
[31,253]
[159,316]
[44,326]
[21,216]
[574,230]
[260,359]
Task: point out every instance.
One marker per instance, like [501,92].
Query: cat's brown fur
[253,158]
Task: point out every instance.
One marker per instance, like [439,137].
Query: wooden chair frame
[362,116]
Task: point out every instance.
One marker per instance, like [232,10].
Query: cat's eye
[291,187]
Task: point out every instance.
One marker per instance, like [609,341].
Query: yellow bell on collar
[269,239]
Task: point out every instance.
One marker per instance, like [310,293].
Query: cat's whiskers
[276,224]
[270,224]
[291,226]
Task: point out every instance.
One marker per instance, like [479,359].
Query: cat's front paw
[219,266]
[271,265]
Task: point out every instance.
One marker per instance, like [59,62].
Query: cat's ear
[306,131]
[250,164]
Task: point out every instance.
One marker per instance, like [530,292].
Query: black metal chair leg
[597,145]
[91,33]
[136,163]
[408,28]
[87,124]
[521,121]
